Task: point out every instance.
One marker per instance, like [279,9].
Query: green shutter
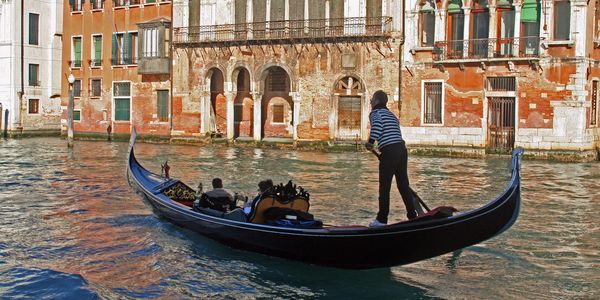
[77,52]
[76,115]
[97,47]
[530,13]
[162,105]
[115,49]
[127,51]
[121,109]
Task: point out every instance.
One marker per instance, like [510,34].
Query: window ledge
[421,48]
[98,10]
[431,125]
[568,43]
[77,12]
[121,122]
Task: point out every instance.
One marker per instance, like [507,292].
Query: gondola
[349,247]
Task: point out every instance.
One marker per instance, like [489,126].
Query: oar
[411,190]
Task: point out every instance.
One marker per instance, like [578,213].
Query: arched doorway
[349,105]
[243,106]
[277,106]
[218,104]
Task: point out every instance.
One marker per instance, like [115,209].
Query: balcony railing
[97,4]
[486,48]
[76,63]
[315,30]
[124,61]
[120,3]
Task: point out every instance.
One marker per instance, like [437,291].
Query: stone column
[204,111]
[257,126]
[440,25]
[296,98]
[493,41]
[230,134]
[466,31]
[517,37]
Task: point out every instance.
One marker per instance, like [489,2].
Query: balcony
[483,49]
[123,3]
[285,32]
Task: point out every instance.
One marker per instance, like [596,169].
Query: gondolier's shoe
[376,223]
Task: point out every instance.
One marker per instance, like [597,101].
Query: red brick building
[118,51]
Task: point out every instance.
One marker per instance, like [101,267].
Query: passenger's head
[265,185]
[379,99]
[217,183]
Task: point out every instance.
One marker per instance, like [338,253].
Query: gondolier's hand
[369,146]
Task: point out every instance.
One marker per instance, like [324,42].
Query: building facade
[499,74]
[118,53]
[283,70]
[472,74]
[30,55]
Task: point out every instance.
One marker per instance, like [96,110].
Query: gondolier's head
[217,183]
[379,99]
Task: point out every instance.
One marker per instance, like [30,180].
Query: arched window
[426,23]
[480,28]
[456,27]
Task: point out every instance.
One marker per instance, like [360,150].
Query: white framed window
[121,101]
[151,42]
[277,114]
[432,102]
[76,54]
[77,115]
[124,48]
[33,107]
[95,87]
[562,20]
[96,50]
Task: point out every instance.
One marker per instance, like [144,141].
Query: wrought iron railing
[285,30]
[486,48]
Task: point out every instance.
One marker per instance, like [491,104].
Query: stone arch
[262,75]
[243,103]
[217,106]
[277,107]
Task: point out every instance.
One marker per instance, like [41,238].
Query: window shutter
[115,49]
[127,53]
[77,50]
[97,47]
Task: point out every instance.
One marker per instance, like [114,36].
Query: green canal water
[70,227]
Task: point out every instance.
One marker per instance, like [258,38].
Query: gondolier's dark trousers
[393,162]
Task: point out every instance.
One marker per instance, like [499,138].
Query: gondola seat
[262,204]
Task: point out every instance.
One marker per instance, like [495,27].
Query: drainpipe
[171,38]
[22,92]
[400,57]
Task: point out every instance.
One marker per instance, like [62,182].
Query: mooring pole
[5,123]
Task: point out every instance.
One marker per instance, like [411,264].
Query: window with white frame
[124,48]
[97,50]
[34,106]
[95,87]
[427,23]
[597,20]
[122,101]
[562,20]
[151,42]
[76,53]
[433,101]
[77,115]
[77,88]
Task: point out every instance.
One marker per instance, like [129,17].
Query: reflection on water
[70,227]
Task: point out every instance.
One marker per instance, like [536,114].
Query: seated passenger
[218,191]
[263,186]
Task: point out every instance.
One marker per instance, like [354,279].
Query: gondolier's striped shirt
[385,128]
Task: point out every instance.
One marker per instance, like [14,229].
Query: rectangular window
[427,26]
[76,5]
[95,87]
[34,73]
[150,47]
[97,4]
[76,52]
[34,106]
[162,105]
[34,24]
[597,20]
[97,51]
[122,100]
[501,84]
[77,88]
[278,116]
[77,115]
[124,48]
[562,20]
[594,104]
[432,102]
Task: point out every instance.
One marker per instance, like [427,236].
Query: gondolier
[385,129]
